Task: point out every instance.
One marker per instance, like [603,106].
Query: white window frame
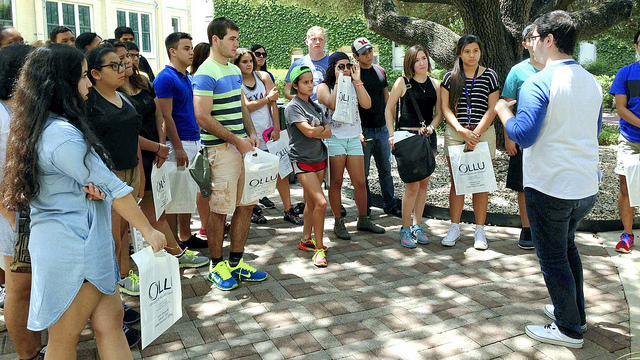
[138,34]
[76,15]
[13,14]
[179,23]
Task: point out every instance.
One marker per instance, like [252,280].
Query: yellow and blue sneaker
[245,272]
[221,277]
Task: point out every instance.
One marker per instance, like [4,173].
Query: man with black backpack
[375,137]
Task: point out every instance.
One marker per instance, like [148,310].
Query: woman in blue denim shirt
[52,154]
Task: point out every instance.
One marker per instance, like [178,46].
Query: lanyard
[466,93]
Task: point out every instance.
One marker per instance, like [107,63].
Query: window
[140,23]
[175,24]
[6,13]
[75,17]
[398,56]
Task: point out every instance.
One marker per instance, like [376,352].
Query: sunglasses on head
[343,66]
[260,54]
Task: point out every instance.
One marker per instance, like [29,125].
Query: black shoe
[299,208]
[343,211]
[394,211]
[291,217]
[133,335]
[130,316]
[194,242]
[267,203]
[258,219]
[525,242]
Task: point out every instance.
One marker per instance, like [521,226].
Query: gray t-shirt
[303,149]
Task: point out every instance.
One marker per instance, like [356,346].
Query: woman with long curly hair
[468,93]
[52,154]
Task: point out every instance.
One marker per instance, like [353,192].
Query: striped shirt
[485,84]
[224,84]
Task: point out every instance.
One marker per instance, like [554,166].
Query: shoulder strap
[126,99]
[413,101]
[380,72]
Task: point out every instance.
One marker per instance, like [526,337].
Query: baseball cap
[295,73]
[360,45]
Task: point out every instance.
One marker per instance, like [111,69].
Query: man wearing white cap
[375,135]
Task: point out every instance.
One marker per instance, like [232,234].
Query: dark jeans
[553,226]
[377,144]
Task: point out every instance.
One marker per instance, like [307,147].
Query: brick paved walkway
[379,300]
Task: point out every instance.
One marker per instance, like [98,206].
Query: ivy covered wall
[282,28]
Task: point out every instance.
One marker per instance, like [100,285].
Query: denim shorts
[350,146]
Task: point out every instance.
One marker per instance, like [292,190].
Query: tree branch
[597,19]
[539,7]
[386,21]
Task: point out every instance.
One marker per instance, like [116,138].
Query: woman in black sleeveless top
[424,89]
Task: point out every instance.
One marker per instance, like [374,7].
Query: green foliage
[607,99]
[609,135]
[612,53]
[281,28]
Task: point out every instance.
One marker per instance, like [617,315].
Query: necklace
[424,89]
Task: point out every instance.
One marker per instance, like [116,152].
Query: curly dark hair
[48,84]
[11,60]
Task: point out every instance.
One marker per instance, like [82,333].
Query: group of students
[84,130]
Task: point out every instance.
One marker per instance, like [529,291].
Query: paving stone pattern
[377,300]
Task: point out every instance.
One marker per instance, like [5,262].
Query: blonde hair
[315,30]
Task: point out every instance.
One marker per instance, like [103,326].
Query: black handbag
[414,154]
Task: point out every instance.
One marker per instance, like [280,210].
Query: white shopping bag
[344,109]
[136,239]
[183,191]
[472,170]
[281,149]
[260,175]
[632,172]
[161,188]
[160,292]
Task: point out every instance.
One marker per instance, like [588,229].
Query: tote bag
[281,149]
[183,191]
[344,109]
[260,175]
[160,292]
[161,188]
[472,170]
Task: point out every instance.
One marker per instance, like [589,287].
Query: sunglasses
[113,65]
[345,66]
[260,54]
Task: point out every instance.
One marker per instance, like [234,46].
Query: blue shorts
[350,146]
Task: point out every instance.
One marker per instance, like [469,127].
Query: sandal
[292,217]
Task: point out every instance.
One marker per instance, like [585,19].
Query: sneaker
[203,232]
[419,235]
[299,208]
[406,238]
[307,244]
[548,310]
[227,227]
[221,277]
[3,293]
[394,211]
[365,224]
[452,236]
[267,203]
[130,284]
[343,211]
[130,316]
[292,217]
[625,244]
[480,239]
[133,335]
[525,242]
[257,217]
[319,257]
[245,272]
[194,242]
[190,259]
[340,230]
[551,334]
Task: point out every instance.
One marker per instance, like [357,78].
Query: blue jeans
[553,226]
[377,140]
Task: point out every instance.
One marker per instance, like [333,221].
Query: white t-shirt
[7,236]
[343,130]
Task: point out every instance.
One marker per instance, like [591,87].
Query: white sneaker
[551,334]
[452,235]
[548,310]
[480,239]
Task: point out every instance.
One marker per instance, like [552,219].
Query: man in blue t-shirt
[173,86]
[626,89]
[517,75]
[316,60]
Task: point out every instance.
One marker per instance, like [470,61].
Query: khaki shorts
[227,178]
[452,137]
[132,178]
[625,148]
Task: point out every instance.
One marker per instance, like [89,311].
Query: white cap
[360,45]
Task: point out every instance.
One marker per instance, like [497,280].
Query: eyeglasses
[134,56]
[343,66]
[113,65]
[260,54]
[533,37]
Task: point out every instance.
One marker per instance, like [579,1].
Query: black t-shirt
[117,129]
[145,106]
[374,116]
[426,99]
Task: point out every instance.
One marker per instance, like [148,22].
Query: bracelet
[430,127]
[158,148]
[360,83]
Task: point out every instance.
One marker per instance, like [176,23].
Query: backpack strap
[380,72]
[126,99]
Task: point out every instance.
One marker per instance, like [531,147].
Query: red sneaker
[625,243]
[307,244]
[203,232]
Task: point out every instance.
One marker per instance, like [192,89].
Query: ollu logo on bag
[465,168]
[344,97]
[158,287]
[262,181]
[161,184]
